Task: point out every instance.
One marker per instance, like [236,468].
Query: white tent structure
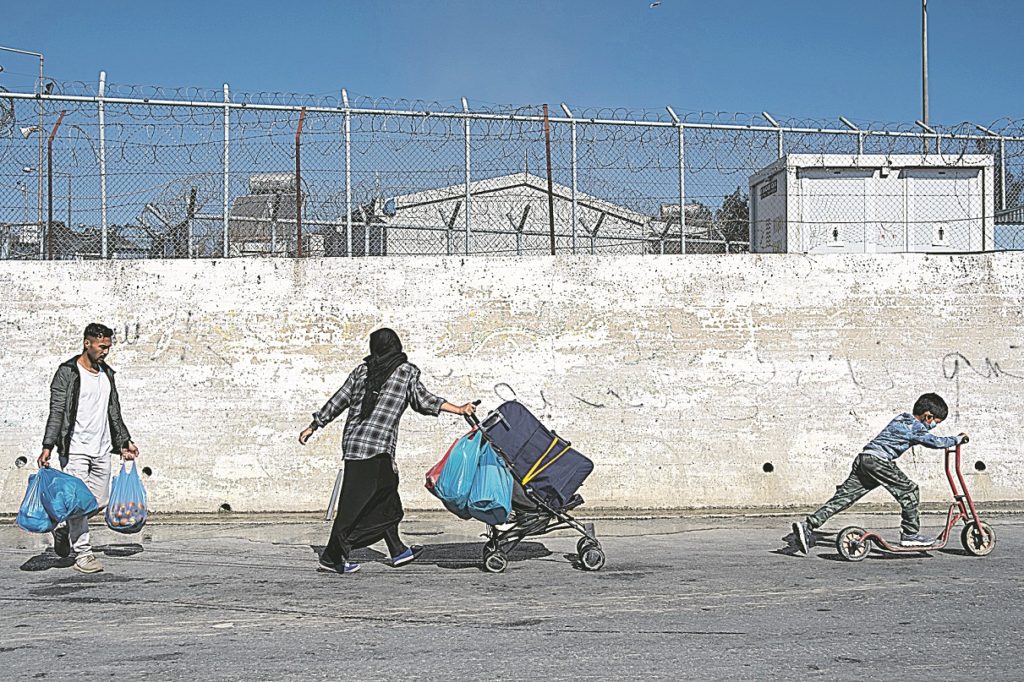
[509,215]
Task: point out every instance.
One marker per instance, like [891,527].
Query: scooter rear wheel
[978,539]
[851,543]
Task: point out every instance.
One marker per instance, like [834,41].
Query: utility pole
[924,62]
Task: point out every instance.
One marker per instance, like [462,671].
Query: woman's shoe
[407,557]
[343,567]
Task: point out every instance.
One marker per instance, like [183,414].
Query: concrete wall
[681,377]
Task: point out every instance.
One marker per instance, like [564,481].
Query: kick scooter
[978,538]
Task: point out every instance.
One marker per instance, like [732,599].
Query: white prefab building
[839,203]
[509,215]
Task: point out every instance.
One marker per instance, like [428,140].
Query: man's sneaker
[914,540]
[61,542]
[343,567]
[407,557]
[88,564]
[804,536]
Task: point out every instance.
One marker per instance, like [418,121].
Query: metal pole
[551,189]
[572,133]
[190,213]
[682,190]
[465,108]
[348,174]
[49,186]
[227,164]
[682,180]
[924,61]
[104,236]
[1002,173]
[69,202]
[39,164]
[298,183]
[768,117]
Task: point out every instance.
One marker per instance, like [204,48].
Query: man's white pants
[95,472]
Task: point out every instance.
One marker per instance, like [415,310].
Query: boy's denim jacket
[901,434]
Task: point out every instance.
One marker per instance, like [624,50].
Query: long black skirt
[369,507]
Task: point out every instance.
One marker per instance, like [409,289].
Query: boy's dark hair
[97,331]
[931,402]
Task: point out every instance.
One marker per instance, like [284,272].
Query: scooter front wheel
[978,538]
[852,544]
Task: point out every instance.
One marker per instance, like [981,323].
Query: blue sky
[804,58]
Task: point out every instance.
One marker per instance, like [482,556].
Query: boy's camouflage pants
[868,473]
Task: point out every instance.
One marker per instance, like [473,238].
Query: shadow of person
[450,555]
[120,549]
[46,561]
[363,555]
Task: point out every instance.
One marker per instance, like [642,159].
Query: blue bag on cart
[64,496]
[32,514]
[126,510]
[456,479]
[490,496]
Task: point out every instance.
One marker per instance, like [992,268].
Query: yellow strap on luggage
[537,469]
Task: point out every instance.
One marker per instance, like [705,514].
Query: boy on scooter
[876,466]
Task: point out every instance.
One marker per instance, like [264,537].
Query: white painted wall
[680,377]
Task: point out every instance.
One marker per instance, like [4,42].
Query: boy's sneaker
[343,567]
[61,542]
[407,557]
[914,540]
[804,536]
[88,564]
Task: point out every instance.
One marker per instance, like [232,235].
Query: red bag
[435,471]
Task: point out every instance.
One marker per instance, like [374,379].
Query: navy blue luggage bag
[544,461]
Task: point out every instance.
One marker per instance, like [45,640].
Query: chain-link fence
[129,172]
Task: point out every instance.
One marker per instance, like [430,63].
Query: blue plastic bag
[456,478]
[126,510]
[64,496]
[32,514]
[490,496]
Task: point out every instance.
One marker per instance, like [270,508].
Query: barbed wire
[165,177]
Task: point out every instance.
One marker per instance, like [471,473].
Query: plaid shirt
[378,433]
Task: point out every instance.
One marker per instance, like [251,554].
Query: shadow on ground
[454,555]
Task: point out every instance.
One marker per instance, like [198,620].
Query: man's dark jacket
[64,390]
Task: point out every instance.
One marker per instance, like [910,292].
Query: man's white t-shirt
[92,427]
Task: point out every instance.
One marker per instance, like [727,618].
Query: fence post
[298,183]
[465,109]
[104,247]
[572,163]
[227,164]
[348,173]
[1002,173]
[49,186]
[775,124]
[682,181]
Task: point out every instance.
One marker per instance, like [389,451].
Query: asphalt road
[679,598]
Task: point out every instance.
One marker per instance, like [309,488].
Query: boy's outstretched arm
[920,436]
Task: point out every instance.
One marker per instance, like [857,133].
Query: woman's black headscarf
[385,357]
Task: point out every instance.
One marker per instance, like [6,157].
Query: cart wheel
[586,543]
[978,543]
[592,559]
[851,543]
[495,562]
